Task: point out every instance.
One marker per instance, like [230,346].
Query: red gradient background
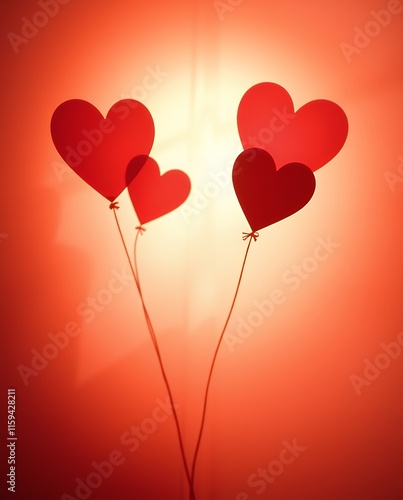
[291,377]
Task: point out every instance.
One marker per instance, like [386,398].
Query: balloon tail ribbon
[251,236]
[134,269]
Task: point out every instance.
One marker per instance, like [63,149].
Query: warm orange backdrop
[290,379]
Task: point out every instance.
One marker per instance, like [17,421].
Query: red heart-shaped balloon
[267,195]
[313,135]
[99,149]
[153,194]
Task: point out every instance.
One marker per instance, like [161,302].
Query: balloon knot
[114,205]
[141,229]
[253,234]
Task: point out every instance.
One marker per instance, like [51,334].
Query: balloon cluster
[112,153]
[273,177]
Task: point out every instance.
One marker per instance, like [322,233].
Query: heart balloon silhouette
[99,149]
[154,195]
[313,135]
[267,195]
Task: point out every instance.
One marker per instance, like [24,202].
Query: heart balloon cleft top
[312,135]
[100,149]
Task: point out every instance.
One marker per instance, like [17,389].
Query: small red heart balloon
[267,195]
[153,194]
[313,135]
[99,149]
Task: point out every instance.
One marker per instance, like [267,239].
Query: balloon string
[251,236]
[114,207]
[192,496]
[134,270]
[150,327]
[140,230]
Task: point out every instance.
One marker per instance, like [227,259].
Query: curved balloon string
[251,236]
[114,207]
[140,230]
